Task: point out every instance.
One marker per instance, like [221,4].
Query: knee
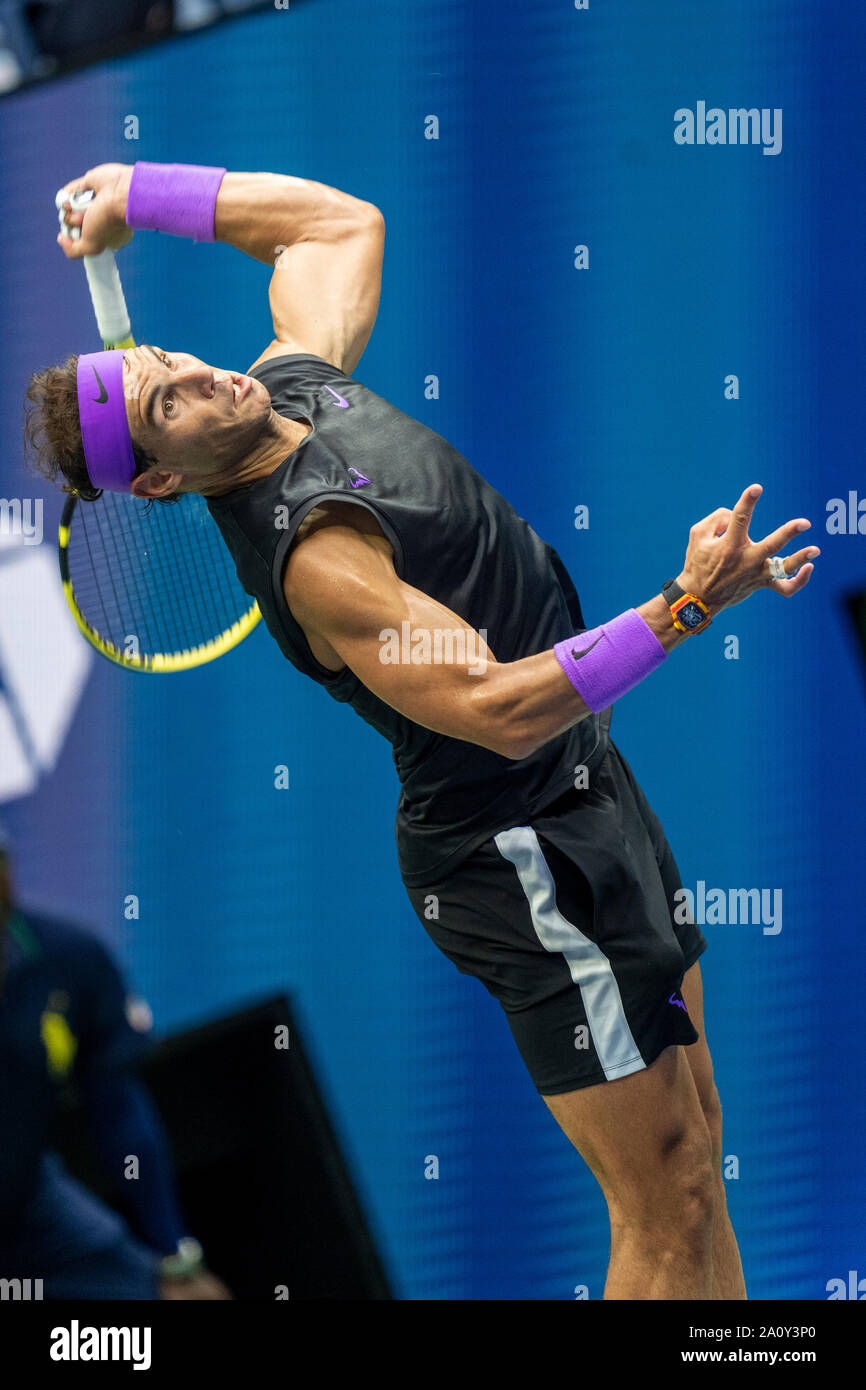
[675,1204]
[689,1175]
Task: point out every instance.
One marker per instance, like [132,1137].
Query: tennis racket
[151,586]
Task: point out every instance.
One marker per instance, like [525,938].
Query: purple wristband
[606,662]
[175,198]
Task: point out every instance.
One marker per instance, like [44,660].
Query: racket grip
[106,291]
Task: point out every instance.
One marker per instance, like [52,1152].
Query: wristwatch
[690,614]
[187,1260]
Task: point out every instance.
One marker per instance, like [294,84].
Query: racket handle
[106,291]
[109,305]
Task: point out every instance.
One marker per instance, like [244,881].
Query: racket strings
[171,576]
[153,579]
[206,575]
[127,596]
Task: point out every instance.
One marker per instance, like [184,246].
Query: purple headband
[104,426]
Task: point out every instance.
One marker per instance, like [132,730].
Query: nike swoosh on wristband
[578,655]
[341,400]
[103,394]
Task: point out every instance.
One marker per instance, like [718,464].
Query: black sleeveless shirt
[455,539]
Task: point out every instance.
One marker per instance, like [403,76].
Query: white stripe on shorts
[590,968]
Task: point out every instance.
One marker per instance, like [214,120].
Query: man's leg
[727,1269]
[645,1139]
[728,1279]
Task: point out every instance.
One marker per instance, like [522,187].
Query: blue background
[601,387]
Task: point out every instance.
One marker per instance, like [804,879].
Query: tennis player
[392,574]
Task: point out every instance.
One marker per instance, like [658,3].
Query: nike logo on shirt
[341,400]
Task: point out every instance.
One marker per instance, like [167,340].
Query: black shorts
[569,923]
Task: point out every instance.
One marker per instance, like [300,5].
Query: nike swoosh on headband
[103,394]
[578,655]
[105,436]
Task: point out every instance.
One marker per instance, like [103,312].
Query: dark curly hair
[52,431]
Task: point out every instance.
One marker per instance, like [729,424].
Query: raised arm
[326,249]
[342,588]
[325,246]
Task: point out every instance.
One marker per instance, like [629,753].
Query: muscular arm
[326,248]
[342,588]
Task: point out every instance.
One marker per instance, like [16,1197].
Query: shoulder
[278,348]
[338,513]
[343,545]
[335,537]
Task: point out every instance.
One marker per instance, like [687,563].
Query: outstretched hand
[724,565]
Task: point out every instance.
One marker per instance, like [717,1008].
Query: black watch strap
[671,591]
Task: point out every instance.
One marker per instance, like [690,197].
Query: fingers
[788,587]
[714,524]
[796,566]
[73,249]
[71,190]
[742,513]
[723,519]
[772,544]
[73,218]
[79,185]
[70,218]
[735,524]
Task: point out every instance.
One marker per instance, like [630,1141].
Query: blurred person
[68,1024]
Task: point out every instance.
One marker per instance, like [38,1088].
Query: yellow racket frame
[157,663]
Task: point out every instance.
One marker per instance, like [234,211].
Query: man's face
[194,419]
